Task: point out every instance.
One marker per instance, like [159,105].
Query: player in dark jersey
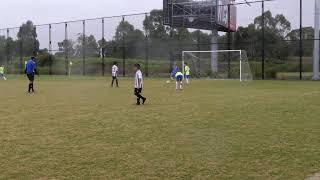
[30,71]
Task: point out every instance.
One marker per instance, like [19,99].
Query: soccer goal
[221,64]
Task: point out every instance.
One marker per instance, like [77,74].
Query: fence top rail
[183,52]
[80,20]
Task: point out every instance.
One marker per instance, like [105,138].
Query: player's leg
[112,81]
[137,92]
[31,81]
[117,81]
[187,79]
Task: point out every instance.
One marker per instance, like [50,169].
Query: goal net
[221,64]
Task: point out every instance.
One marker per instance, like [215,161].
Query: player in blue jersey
[174,71]
[30,71]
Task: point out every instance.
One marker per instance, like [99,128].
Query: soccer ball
[168,82]
[5,78]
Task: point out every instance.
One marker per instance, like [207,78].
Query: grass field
[83,129]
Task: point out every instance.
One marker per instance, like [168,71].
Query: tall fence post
[66,48]
[229,42]
[21,53]
[50,49]
[147,52]
[35,48]
[8,47]
[103,48]
[263,43]
[300,42]
[123,51]
[84,48]
[198,54]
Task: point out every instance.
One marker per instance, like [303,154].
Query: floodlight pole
[316,42]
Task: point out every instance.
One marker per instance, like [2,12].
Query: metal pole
[199,54]
[263,43]
[300,43]
[35,43]
[229,42]
[50,50]
[316,42]
[8,48]
[21,54]
[171,40]
[123,52]
[147,53]
[103,48]
[66,49]
[84,48]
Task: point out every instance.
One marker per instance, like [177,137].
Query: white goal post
[220,64]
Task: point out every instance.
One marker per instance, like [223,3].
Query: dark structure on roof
[200,14]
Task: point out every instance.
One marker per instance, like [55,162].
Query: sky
[14,12]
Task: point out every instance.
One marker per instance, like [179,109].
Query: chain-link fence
[269,34]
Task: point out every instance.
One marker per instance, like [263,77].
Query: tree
[27,36]
[131,39]
[91,46]
[294,37]
[66,46]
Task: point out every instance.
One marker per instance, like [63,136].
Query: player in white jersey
[115,70]
[138,84]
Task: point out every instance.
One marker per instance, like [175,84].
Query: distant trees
[27,37]
[280,40]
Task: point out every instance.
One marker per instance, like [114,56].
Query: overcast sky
[14,12]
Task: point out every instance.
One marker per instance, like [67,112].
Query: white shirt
[115,70]
[136,82]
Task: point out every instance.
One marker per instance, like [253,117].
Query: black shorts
[30,76]
[114,77]
[137,90]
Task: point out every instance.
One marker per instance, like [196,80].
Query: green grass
[83,129]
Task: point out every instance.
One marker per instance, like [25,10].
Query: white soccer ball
[168,82]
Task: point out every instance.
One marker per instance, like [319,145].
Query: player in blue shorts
[179,79]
